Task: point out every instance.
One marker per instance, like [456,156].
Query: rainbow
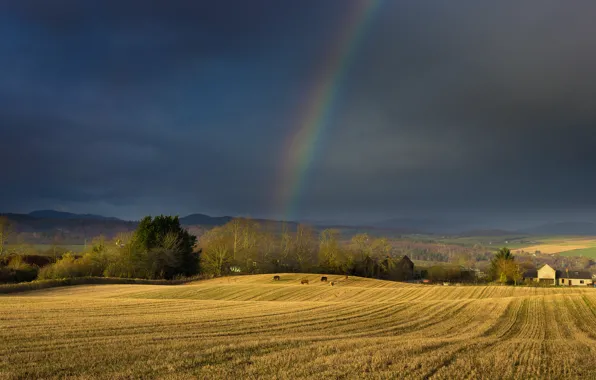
[301,146]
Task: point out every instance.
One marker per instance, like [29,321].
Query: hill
[255,327]
[204,220]
[53,214]
[65,230]
[563,228]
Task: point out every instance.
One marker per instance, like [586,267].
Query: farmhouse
[548,275]
[575,277]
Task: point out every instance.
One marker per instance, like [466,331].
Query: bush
[37,260]
[18,271]
[69,267]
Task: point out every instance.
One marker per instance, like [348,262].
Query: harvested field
[255,327]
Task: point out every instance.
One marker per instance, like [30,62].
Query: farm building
[548,275]
[575,277]
[406,267]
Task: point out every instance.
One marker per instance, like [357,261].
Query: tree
[364,265]
[517,274]
[509,270]
[235,227]
[247,245]
[504,268]
[285,244]
[57,241]
[502,255]
[304,249]
[329,250]
[380,247]
[168,248]
[216,252]
[6,231]
[266,253]
[360,244]
[125,259]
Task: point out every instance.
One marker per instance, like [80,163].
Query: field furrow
[252,327]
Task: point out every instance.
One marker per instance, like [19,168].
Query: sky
[127,108]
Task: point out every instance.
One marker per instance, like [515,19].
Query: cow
[276,278]
[323,279]
[332,283]
[304,282]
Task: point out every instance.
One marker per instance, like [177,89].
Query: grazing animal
[323,279]
[276,278]
[346,276]
[332,283]
[304,282]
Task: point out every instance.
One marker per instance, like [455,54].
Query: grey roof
[582,274]
[531,273]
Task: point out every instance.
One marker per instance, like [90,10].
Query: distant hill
[53,214]
[204,220]
[563,228]
[422,226]
[46,227]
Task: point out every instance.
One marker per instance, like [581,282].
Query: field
[254,327]
[566,246]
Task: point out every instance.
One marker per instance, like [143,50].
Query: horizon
[424,224]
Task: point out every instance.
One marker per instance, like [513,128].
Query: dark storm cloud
[136,107]
[476,106]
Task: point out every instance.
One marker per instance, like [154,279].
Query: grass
[46,284]
[254,327]
[585,252]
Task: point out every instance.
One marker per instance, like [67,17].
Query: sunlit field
[567,246]
[254,327]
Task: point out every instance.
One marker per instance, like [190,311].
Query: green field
[254,327]
[585,252]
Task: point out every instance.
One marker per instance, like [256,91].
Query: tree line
[242,245]
[161,248]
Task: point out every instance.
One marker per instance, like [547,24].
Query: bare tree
[329,249]
[361,244]
[304,245]
[285,243]
[57,241]
[381,247]
[216,251]
[267,245]
[235,227]
[6,230]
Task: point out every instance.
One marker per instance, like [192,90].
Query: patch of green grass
[585,252]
